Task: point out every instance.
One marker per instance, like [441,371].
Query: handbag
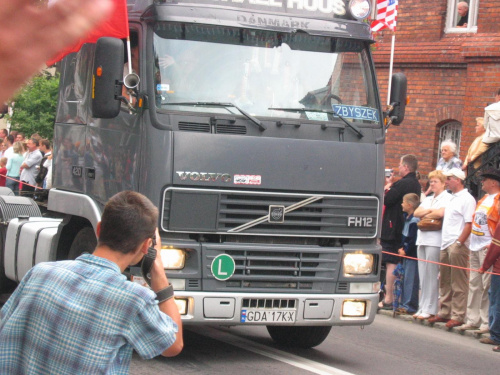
[427,224]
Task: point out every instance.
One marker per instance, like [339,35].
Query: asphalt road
[389,346]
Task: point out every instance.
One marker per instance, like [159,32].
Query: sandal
[402,311]
[385,306]
[496,348]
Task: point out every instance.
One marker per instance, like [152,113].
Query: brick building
[452,74]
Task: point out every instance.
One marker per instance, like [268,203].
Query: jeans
[494,314]
[13,185]
[409,295]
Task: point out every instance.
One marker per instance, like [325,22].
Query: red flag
[387,12]
[116,26]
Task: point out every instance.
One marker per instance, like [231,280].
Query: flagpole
[390,68]
[129,55]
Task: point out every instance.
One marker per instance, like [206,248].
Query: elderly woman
[478,147]
[449,158]
[429,245]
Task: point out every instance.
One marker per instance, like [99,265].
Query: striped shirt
[80,317]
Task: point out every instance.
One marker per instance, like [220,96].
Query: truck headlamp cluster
[360,9]
[358,264]
[173,259]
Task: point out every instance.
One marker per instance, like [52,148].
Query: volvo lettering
[202,176]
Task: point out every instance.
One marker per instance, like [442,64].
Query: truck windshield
[265,73]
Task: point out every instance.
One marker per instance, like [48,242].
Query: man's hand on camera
[159,281]
[158,277]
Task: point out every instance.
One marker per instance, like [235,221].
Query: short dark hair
[46,143]
[410,161]
[35,141]
[10,137]
[128,219]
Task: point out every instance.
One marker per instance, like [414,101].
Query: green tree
[35,106]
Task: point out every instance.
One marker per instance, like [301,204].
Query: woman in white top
[429,245]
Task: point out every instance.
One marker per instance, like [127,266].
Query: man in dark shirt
[463,12]
[393,220]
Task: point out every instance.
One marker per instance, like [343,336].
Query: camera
[388,172]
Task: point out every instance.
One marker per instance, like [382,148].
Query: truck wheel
[299,337]
[85,242]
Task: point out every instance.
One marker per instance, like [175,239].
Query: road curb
[425,323]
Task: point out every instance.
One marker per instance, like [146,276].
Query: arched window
[450,130]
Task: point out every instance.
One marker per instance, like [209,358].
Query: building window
[453,17]
[451,130]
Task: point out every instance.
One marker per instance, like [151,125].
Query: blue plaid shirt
[80,317]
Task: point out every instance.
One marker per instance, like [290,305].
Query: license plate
[267,316]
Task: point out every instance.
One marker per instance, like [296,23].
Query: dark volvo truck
[257,129]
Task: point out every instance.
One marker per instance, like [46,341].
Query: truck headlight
[358,264]
[173,259]
[182,305]
[354,308]
[359,9]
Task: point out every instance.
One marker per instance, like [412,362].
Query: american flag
[387,12]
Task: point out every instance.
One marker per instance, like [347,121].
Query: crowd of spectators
[463,242]
[451,285]
[25,163]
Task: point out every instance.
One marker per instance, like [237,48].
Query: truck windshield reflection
[258,70]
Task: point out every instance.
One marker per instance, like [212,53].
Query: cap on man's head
[455,172]
[492,173]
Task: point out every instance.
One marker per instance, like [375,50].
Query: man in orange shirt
[493,259]
[483,226]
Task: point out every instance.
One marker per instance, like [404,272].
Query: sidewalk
[441,326]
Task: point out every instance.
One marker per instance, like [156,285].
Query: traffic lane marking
[221,334]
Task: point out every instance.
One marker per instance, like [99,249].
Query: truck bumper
[297,309]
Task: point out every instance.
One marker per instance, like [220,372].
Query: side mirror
[107,78]
[398,98]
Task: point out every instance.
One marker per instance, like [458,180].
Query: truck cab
[257,129]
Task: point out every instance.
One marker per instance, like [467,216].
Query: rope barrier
[21,182]
[438,263]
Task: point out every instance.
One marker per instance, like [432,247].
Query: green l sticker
[223,267]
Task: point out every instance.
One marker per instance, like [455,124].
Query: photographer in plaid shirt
[83,316]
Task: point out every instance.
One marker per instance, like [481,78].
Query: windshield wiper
[223,105]
[303,110]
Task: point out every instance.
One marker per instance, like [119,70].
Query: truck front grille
[247,213]
[282,267]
